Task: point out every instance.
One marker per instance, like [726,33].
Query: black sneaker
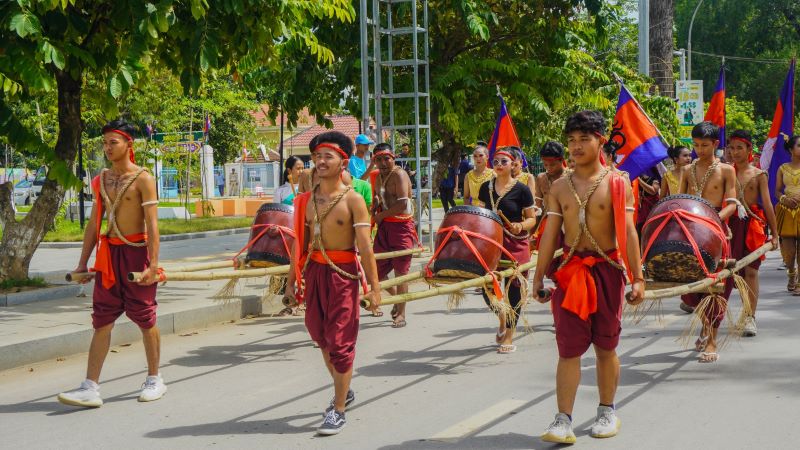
[686,308]
[334,423]
[351,397]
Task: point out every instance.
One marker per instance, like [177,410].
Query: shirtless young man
[595,206]
[552,155]
[126,193]
[329,221]
[707,177]
[749,232]
[392,212]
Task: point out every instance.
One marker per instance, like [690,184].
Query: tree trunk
[662,14]
[20,239]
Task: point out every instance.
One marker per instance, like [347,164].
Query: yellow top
[791,179]
[523,177]
[475,183]
[673,182]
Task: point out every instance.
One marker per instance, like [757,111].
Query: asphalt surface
[438,383]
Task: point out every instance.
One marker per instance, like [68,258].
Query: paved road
[434,384]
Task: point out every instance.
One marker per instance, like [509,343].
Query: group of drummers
[582,205]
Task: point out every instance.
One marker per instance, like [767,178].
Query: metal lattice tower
[394,44]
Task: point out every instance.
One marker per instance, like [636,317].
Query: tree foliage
[762,29]
[61,44]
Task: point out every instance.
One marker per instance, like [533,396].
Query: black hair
[742,134]
[791,142]
[288,165]
[586,122]
[333,137]
[705,130]
[381,147]
[120,125]
[676,150]
[514,151]
[552,149]
[405,144]
[482,144]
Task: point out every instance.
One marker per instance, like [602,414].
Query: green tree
[61,44]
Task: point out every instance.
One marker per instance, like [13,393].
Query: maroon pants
[738,244]
[520,248]
[137,302]
[390,237]
[332,311]
[574,335]
[716,314]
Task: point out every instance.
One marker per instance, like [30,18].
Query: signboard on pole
[690,106]
[172,138]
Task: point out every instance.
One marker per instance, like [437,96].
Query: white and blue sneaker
[334,423]
[351,397]
[153,388]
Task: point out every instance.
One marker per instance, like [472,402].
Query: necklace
[702,186]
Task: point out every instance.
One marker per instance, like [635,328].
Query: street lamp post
[689,45]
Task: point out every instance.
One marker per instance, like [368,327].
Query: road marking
[469,425]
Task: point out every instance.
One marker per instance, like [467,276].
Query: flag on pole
[772,153]
[716,109]
[505,135]
[150,131]
[641,147]
[244,151]
[207,124]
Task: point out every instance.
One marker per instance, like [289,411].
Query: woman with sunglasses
[513,202]
[477,176]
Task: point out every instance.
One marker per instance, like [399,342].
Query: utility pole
[644,37]
[682,54]
[689,44]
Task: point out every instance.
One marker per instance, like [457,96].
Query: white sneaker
[606,424]
[153,389]
[560,431]
[750,329]
[87,395]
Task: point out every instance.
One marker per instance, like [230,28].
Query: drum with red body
[456,259]
[671,256]
[272,228]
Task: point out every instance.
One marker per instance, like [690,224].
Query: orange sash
[618,205]
[580,291]
[756,234]
[636,199]
[300,204]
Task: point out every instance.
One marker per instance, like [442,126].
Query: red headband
[741,139]
[129,138]
[555,159]
[503,152]
[385,152]
[333,147]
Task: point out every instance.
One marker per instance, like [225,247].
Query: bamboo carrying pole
[702,285]
[78,277]
[474,282]
[251,273]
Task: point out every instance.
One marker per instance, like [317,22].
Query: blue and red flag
[505,135]
[207,124]
[641,147]
[716,109]
[772,154]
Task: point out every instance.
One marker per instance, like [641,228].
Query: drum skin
[269,250]
[671,257]
[456,259]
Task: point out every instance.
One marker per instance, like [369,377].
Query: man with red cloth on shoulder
[595,205]
[748,226]
[330,222]
[126,195]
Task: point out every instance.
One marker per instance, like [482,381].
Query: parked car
[26,191]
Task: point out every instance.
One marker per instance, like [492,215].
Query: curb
[39,295]
[125,331]
[165,238]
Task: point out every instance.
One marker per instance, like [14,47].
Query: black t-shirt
[512,204]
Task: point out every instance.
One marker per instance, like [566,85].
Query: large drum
[669,255]
[456,259]
[271,236]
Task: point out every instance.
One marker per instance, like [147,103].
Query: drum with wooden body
[271,230]
[671,257]
[456,259]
